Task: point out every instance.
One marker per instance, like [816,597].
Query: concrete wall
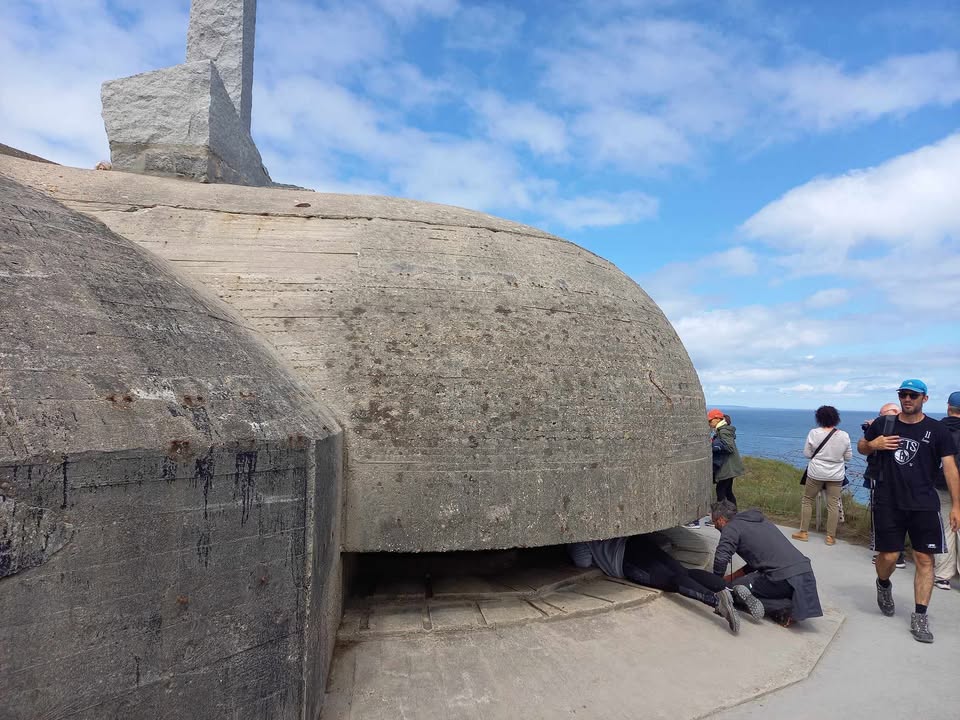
[498,386]
[169,492]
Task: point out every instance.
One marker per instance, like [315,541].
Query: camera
[865,425]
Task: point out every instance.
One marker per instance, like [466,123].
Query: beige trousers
[810,491]
[948,564]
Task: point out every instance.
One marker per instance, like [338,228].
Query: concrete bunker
[169,494]
[497,386]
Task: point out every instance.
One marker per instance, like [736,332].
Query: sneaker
[726,610]
[942,584]
[743,594]
[885,599]
[708,523]
[694,524]
[875,559]
[801,535]
[920,628]
[901,562]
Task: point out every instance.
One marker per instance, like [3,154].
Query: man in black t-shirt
[906,502]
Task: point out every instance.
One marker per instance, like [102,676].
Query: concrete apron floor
[664,657]
[873,668]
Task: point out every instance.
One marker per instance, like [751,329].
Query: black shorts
[925,528]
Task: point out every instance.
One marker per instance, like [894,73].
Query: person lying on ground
[639,559]
[778,574]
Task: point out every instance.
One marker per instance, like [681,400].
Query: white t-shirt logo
[906,451]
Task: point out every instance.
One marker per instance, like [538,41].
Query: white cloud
[798,388]
[56,58]
[870,226]
[822,95]
[522,123]
[631,141]
[831,297]
[600,211]
[910,200]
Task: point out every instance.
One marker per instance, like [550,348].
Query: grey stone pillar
[223,31]
[192,120]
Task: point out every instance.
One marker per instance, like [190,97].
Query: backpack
[871,476]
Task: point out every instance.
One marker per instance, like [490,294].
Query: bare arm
[881,442]
[953,482]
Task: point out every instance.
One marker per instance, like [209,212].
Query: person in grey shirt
[778,574]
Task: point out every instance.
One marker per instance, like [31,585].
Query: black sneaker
[885,598]
[726,610]
[901,561]
[920,628]
[743,594]
[693,524]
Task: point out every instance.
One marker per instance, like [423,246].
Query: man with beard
[906,502]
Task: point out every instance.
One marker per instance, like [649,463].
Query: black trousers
[646,564]
[725,491]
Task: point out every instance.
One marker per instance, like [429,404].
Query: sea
[781,434]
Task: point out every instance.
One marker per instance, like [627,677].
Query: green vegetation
[774,487]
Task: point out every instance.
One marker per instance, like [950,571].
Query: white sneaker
[942,584]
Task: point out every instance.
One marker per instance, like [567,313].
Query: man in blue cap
[906,502]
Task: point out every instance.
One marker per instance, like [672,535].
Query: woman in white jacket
[825,471]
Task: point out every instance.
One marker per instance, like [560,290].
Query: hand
[734,575]
[955,519]
[885,442]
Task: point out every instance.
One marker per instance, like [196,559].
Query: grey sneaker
[920,628]
[885,599]
[726,610]
[743,594]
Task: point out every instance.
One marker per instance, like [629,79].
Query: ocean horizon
[779,434]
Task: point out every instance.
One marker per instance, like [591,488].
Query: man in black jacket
[948,564]
[779,575]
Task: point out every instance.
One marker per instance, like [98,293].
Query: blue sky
[782,178]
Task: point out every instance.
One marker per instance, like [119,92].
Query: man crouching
[777,574]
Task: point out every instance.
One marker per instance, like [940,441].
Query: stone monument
[192,120]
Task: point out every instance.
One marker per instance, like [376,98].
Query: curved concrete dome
[498,386]
[169,491]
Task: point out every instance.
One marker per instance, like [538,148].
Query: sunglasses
[908,394]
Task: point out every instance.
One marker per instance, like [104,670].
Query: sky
[782,178]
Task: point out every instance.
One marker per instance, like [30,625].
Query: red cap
[715,415]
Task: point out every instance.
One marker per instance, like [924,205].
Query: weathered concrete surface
[224,32]
[668,658]
[169,493]
[498,386]
[192,120]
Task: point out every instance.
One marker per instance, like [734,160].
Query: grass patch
[774,487]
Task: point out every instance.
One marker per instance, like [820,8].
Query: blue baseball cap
[954,399]
[913,384]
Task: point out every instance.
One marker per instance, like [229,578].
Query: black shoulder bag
[803,478]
